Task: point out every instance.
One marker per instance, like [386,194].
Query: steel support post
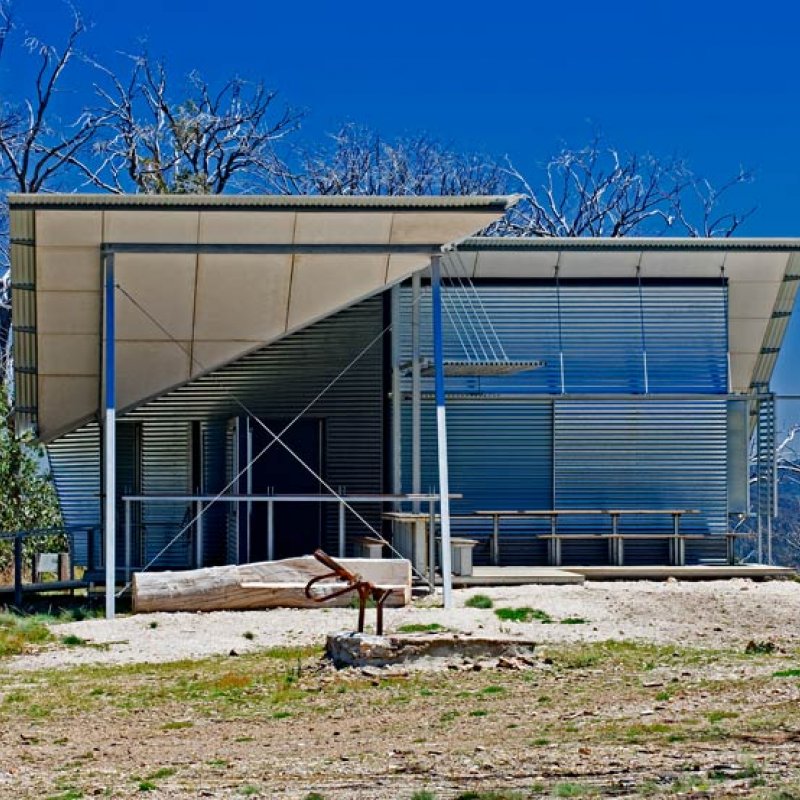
[397,421]
[416,391]
[109,433]
[441,431]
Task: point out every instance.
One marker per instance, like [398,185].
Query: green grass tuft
[574,621]
[524,614]
[786,673]
[419,627]
[18,634]
[71,640]
[479,601]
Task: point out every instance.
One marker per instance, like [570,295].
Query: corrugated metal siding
[500,456]
[603,333]
[213,443]
[75,464]
[641,454]
[278,382]
[166,469]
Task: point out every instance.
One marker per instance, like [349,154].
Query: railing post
[198,533]
[342,531]
[127,540]
[18,571]
[432,544]
[270,530]
[89,549]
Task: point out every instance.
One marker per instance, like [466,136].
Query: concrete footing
[347,649]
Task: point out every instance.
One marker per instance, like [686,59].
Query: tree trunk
[265,584]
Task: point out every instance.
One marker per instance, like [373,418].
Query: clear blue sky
[716,82]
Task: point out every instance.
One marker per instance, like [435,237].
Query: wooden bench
[616,546]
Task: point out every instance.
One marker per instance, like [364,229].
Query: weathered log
[265,584]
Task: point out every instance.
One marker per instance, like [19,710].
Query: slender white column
[441,432]
[109,435]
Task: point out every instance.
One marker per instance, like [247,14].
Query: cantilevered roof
[201,281]
[762,275]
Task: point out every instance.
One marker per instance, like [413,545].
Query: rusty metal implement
[355,583]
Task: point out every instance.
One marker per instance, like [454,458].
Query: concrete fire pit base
[346,649]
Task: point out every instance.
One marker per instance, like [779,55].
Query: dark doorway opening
[297,526]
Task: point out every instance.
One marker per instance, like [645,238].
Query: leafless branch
[208,142]
[598,190]
[358,161]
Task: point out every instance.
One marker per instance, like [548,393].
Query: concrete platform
[705,572]
[519,576]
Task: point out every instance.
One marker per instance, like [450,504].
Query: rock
[368,651]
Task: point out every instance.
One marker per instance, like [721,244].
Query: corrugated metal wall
[591,453]
[603,329]
[500,455]
[641,454]
[276,382]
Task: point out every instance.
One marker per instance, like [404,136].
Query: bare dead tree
[358,161]
[209,142]
[598,190]
[36,146]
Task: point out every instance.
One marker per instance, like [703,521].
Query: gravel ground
[708,614]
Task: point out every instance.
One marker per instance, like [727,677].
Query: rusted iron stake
[355,583]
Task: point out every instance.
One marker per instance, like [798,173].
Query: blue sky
[714,82]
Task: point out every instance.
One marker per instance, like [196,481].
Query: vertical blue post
[109,434]
[441,431]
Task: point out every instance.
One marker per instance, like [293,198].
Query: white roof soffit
[763,276]
[202,280]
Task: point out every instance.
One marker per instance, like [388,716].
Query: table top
[557,512]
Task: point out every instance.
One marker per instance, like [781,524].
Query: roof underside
[201,281]
[205,280]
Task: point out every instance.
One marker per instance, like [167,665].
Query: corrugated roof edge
[495,203]
[476,243]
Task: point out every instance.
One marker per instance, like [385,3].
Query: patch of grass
[69,794]
[18,634]
[478,712]
[71,640]
[448,716]
[147,786]
[493,689]
[177,725]
[313,796]
[572,790]
[282,714]
[160,774]
[249,635]
[523,614]
[419,627]
[423,794]
[718,716]
[479,601]
[574,621]
[786,673]
[249,790]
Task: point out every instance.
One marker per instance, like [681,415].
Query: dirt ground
[657,690]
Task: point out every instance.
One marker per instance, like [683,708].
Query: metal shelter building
[577,374]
